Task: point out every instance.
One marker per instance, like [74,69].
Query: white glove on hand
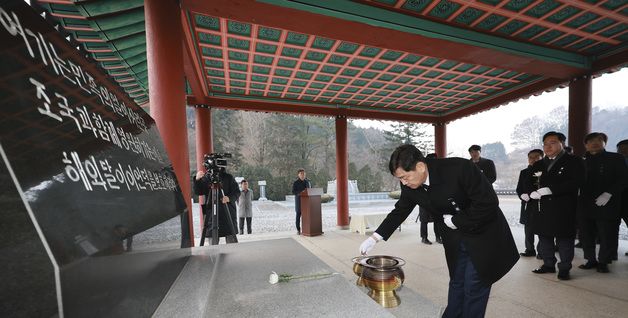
[603,199]
[449,222]
[369,243]
[525,197]
[540,192]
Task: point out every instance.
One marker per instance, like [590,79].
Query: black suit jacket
[481,224]
[487,166]
[231,189]
[523,176]
[605,172]
[557,217]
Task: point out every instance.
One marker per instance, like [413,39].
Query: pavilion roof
[419,60]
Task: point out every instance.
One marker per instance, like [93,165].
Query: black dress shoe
[440,241]
[528,254]
[564,275]
[588,265]
[602,268]
[298,232]
[626,254]
[426,241]
[538,256]
[544,269]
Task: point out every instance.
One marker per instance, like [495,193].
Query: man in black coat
[600,199]
[479,246]
[553,189]
[524,218]
[298,186]
[229,186]
[485,165]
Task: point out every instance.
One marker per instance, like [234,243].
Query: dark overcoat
[487,166]
[523,175]
[605,172]
[481,224]
[232,190]
[557,214]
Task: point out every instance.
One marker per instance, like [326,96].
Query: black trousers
[437,230]
[248,225]
[606,231]
[565,251]
[529,238]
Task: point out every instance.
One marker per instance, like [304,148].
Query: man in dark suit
[298,186]
[600,199]
[553,189]
[485,165]
[479,246]
[524,218]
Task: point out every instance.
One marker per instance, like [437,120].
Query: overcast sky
[609,91]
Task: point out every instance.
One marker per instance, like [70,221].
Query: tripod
[213,228]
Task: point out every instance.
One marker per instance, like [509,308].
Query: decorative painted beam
[292,107]
[191,63]
[383,28]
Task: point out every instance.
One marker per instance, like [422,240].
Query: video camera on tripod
[215,163]
[217,222]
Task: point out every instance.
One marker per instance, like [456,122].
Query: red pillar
[440,139]
[167,89]
[203,145]
[342,173]
[580,93]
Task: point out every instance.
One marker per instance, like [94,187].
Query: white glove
[540,192]
[525,197]
[603,199]
[369,243]
[448,221]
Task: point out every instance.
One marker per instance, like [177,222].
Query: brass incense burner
[382,275]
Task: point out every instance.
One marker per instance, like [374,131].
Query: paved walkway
[519,294]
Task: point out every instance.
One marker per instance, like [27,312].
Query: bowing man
[479,246]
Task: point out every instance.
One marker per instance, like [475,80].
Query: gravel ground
[279,216]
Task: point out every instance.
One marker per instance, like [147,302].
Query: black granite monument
[92,215]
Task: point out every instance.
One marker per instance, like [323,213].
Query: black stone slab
[92,174]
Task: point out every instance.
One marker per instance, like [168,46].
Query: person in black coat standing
[231,192]
[479,246]
[553,189]
[426,217]
[524,218]
[298,186]
[485,165]
[600,199]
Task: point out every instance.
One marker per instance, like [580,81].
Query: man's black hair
[405,157]
[475,147]
[596,135]
[243,181]
[539,151]
[622,143]
[561,137]
[431,156]
[300,169]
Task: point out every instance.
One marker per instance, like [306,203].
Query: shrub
[326,198]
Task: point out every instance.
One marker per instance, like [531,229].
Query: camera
[215,163]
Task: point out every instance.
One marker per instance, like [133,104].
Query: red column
[440,139]
[342,173]
[167,88]
[203,145]
[580,92]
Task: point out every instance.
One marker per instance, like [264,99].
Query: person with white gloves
[479,246]
[524,217]
[601,197]
[552,187]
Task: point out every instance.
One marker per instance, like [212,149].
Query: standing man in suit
[553,189]
[600,199]
[524,218]
[485,165]
[479,246]
[298,186]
